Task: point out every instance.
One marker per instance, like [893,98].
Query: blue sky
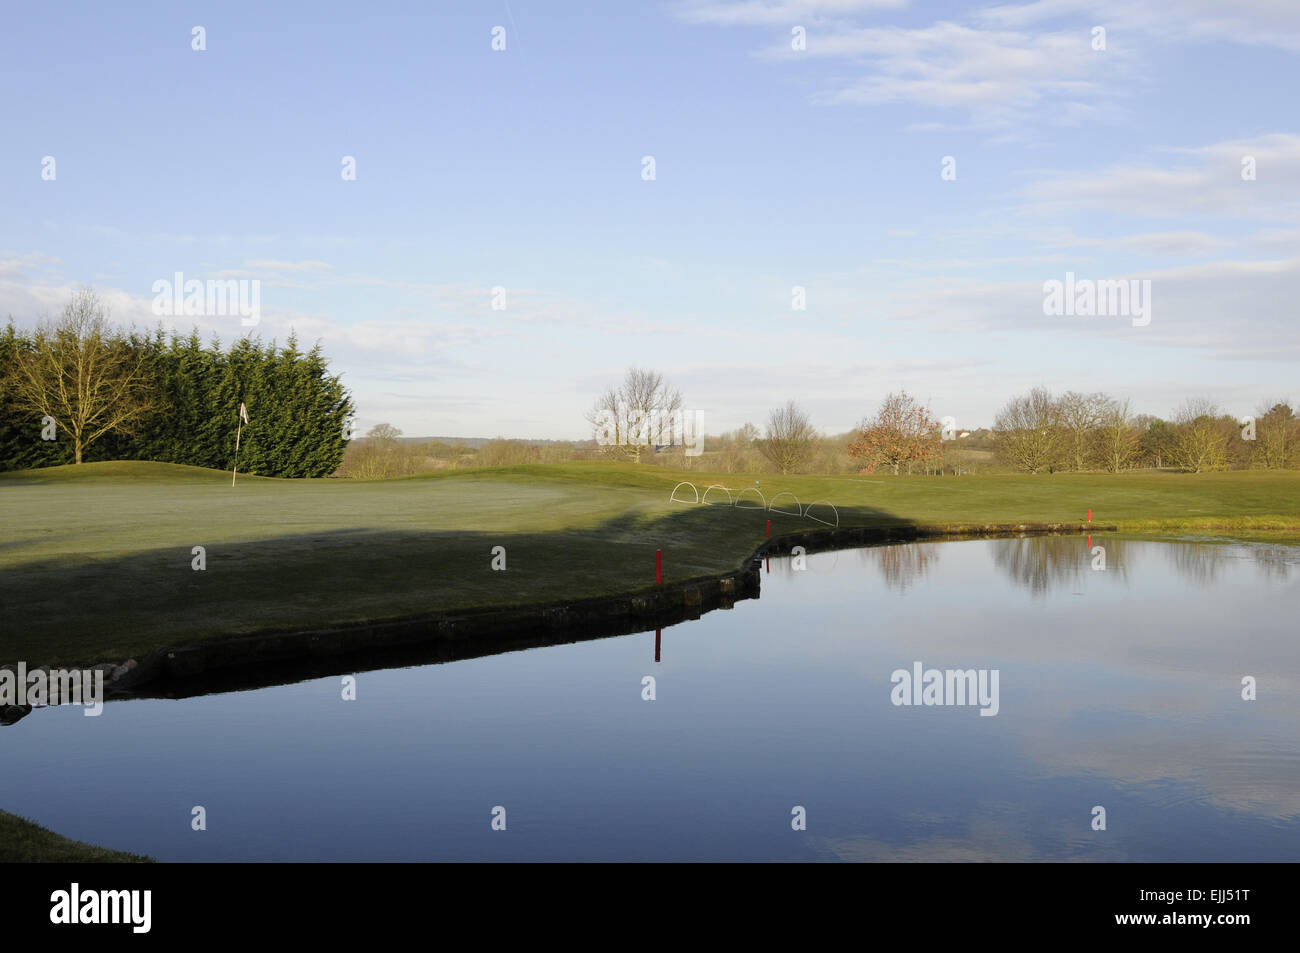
[774,168]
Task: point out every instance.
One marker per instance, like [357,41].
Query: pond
[1117,688]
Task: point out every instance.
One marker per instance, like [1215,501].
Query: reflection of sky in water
[1119,688]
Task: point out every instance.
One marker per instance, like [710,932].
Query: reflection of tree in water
[903,564]
[1040,563]
[1275,563]
[1199,563]
[1202,562]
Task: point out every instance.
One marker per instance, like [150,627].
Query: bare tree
[1277,435]
[1026,432]
[379,454]
[790,438]
[641,413]
[1118,439]
[1200,440]
[1079,415]
[507,453]
[83,374]
[736,449]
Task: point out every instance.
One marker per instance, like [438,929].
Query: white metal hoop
[771,507]
[717,486]
[809,515]
[694,489]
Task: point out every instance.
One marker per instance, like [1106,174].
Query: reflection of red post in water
[767,561]
[659,567]
[1090,542]
[657,631]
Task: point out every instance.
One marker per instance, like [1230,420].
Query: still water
[1119,688]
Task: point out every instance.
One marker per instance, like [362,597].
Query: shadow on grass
[384,598]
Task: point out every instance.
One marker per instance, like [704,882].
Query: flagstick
[238,429]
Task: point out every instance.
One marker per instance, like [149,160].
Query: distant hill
[475,442]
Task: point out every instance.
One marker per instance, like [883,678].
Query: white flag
[243,413]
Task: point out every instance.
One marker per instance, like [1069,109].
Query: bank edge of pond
[25,841]
[482,631]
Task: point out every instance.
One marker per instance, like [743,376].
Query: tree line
[1038,432]
[383,453]
[78,389]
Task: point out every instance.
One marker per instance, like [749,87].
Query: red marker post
[1090,516]
[769,529]
[659,567]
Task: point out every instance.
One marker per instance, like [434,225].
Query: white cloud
[23,266]
[1251,22]
[295,266]
[1173,244]
[1225,309]
[782,12]
[1000,64]
[1207,181]
[995,75]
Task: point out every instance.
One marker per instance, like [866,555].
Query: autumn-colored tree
[902,432]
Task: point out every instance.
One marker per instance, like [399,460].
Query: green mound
[125,471]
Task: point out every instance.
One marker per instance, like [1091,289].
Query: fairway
[97,559]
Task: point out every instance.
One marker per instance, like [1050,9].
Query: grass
[95,561]
[22,841]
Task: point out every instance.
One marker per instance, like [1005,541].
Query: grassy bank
[96,560]
[21,841]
